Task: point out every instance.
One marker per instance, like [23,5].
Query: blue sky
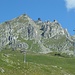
[61,10]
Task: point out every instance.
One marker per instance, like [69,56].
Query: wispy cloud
[70,4]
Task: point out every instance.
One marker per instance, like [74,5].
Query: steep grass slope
[12,63]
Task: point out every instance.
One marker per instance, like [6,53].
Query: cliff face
[35,36]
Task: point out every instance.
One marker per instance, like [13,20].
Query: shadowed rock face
[38,36]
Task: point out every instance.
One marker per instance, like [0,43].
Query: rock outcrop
[35,36]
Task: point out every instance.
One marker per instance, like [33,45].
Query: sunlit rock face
[36,36]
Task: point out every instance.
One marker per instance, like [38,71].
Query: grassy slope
[12,64]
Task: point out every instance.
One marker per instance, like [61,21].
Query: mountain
[23,33]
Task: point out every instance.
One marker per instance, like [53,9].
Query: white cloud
[70,4]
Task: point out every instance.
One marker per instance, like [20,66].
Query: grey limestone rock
[23,32]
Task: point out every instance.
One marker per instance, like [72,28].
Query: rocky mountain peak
[35,36]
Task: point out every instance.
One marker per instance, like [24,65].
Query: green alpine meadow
[12,63]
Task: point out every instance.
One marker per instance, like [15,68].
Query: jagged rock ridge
[35,36]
